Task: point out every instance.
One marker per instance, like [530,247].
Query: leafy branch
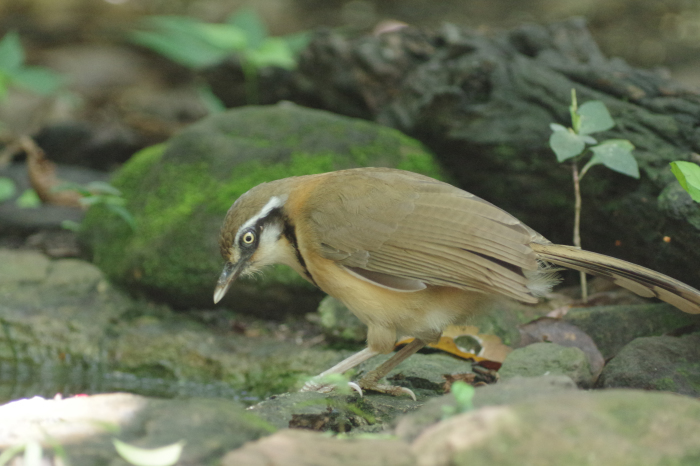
[571,144]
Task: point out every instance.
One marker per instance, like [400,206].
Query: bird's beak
[228,275]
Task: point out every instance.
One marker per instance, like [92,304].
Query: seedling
[571,144]
[99,193]
[463,394]
[688,175]
[197,45]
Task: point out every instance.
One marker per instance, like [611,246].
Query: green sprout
[463,394]
[688,175]
[14,72]
[197,45]
[99,193]
[571,144]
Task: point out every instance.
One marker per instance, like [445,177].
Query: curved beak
[228,275]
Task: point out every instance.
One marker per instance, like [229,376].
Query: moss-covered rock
[180,191]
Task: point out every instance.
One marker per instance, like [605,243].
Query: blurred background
[645,33]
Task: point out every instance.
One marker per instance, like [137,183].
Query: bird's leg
[371,380]
[317,385]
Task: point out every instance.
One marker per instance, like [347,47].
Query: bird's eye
[248,238]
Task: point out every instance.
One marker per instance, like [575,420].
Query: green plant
[14,72]
[99,193]
[463,394]
[163,456]
[570,144]
[688,175]
[196,44]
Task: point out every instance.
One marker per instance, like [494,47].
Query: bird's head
[252,235]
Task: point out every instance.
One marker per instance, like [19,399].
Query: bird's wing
[397,224]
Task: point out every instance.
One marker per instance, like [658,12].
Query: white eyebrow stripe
[275,202]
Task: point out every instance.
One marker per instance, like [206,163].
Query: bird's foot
[387,389]
[323,385]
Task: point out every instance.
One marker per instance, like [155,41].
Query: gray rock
[297,448]
[612,327]
[85,426]
[657,363]
[548,359]
[620,427]
[514,390]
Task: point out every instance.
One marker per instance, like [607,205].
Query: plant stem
[577,226]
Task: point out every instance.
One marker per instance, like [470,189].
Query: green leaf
[557,127]
[223,36]
[7,188]
[251,24]
[70,225]
[4,84]
[163,456]
[297,42]
[616,154]
[210,100]
[37,79]
[9,453]
[566,144]
[688,175]
[11,53]
[29,199]
[102,187]
[273,52]
[464,394]
[594,117]
[124,213]
[33,453]
[180,39]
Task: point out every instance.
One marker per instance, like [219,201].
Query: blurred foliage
[197,45]
[99,193]
[14,72]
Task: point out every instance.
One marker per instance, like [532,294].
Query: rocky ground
[110,335]
[67,331]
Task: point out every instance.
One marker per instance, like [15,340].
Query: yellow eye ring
[248,237]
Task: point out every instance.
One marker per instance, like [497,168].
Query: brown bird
[407,254]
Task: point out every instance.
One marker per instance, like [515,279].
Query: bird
[408,255]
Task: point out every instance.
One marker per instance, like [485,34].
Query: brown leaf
[466,342]
[42,176]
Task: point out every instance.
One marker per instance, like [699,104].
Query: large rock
[179,194]
[657,363]
[612,327]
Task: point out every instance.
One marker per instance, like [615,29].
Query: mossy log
[484,101]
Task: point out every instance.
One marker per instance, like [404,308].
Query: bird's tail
[643,281]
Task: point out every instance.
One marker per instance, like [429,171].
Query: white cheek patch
[270,249]
[275,202]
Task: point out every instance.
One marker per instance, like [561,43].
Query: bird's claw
[315,385]
[389,389]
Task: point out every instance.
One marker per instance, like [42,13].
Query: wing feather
[412,227]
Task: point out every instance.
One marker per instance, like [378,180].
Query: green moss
[665,383]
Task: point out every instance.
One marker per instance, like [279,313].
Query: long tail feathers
[643,281]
